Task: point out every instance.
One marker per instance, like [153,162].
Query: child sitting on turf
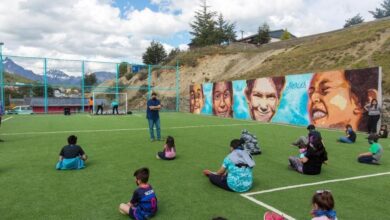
[303,141]
[383,132]
[169,152]
[375,151]
[72,156]
[302,148]
[323,205]
[235,173]
[143,204]
[350,135]
[322,208]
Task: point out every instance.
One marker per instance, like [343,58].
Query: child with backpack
[143,204]
[169,151]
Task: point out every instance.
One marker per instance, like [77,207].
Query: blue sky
[179,38]
[125,5]
[121,30]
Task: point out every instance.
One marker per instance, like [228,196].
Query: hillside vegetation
[360,46]
[13,78]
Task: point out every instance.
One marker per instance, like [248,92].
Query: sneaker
[375,162]
[272,216]
[152,140]
[157,157]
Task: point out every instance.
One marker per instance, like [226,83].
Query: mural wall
[329,99]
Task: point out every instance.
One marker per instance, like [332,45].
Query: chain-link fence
[46,85]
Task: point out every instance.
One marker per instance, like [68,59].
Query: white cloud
[149,23]
[183,47]
[94,29]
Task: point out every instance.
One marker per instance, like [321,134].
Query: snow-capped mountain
[11,67]
[54,76]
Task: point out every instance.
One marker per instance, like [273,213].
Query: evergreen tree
[39,91]
[90,80]
[286,35]
[225,30]
[172,55]
[209,30]
[263,34]
[123,69]
[154,54]
[203,28]
[382,12]
[357,19]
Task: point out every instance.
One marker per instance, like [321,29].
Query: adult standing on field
[90,103]
[374,113]
[152,114]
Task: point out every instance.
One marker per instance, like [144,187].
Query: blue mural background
[240,105]
[208,99]
[293,103]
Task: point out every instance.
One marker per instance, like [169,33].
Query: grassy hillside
[12,78]
[364,45]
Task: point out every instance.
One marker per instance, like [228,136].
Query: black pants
[372,123]
[220,181]
[115,108]
[100,107]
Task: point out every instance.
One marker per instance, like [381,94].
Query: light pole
[2,77]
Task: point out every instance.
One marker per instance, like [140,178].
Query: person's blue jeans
[153,123]
[345,140]
[367,159]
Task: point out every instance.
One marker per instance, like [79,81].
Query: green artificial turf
[31,188]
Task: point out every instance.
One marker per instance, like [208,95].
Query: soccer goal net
[109,103]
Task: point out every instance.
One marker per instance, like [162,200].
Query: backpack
[250,143]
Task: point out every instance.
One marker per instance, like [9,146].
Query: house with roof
[275,35]
[57,105]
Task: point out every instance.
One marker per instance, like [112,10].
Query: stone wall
[386,110]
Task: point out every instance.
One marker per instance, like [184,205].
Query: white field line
[316,183]
[248,195]
[123,129]
[268,207]
[6,119]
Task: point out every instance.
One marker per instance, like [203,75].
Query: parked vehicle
[20,110]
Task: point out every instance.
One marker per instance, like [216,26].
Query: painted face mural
[331,101]
[223,99]
[262,97]
[196,98]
